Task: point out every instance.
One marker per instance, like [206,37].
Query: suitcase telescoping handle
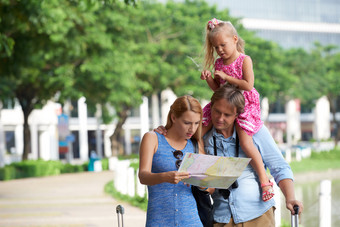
[120,210]
[295,216]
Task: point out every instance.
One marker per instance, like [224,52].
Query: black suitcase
[295,217]
[120,212]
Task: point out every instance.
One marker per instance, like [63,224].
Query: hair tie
[212,23]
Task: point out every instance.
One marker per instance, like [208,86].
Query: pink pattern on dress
[250,121]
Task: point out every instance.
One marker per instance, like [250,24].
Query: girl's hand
[205,74]
[174,177]
[161,130]
[221,74]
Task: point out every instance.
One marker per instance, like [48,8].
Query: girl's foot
[267,191]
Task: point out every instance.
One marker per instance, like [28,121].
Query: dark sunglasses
[178,155]
[226,192]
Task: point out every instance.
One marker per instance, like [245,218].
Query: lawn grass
[319,161]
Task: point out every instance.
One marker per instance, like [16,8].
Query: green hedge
[40,168]
[30,168]
[137,201]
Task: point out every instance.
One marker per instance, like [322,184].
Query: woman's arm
[147,150]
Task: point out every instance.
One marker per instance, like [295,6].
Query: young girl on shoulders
[236,68]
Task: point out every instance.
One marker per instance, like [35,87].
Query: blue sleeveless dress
[170,204]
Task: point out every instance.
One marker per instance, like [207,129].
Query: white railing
[325,204]
[125,178]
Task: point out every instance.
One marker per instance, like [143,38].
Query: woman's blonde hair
[180,106]
[211,31]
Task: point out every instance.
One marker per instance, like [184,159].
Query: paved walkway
[66,200]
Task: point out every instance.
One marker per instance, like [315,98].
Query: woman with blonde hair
[171,202]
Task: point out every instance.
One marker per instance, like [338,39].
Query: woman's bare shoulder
[150,135]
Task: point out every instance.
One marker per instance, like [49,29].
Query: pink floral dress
[250,121]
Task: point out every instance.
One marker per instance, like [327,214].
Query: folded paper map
[212,171]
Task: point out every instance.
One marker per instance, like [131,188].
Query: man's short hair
[232,95]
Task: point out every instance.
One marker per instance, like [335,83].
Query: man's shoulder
[208,137]
[209,133]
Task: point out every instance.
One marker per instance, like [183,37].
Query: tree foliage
[114,52]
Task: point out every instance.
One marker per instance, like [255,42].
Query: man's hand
[161,130]
[291,203]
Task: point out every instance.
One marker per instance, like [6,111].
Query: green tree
[36,59]
[333,89]
[109,76]
[52,47]
[328,62]
[317,72]
[272,78]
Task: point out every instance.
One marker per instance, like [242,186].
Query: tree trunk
[116,146]
[335,123]
[27,108]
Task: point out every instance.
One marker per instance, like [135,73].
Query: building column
[19,140]
[144,116]
[2,141]
[99,140]
[264,109]
[83,138]
[34,142]
[54,144]
[293,121]
[127,139]
[168,98]
[155,111]
[321,127]
[107,141]
[44,146]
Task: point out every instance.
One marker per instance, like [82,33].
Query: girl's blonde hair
[180,106]
[211,31]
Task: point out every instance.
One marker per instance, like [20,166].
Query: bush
[35,168]
[69,168]
[7,173]
[105,163]
[137,201]
[38,168]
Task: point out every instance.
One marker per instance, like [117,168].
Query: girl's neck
[231,59]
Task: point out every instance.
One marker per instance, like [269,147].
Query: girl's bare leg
[247,145]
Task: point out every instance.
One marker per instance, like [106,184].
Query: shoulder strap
[215,149]
[237,146]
